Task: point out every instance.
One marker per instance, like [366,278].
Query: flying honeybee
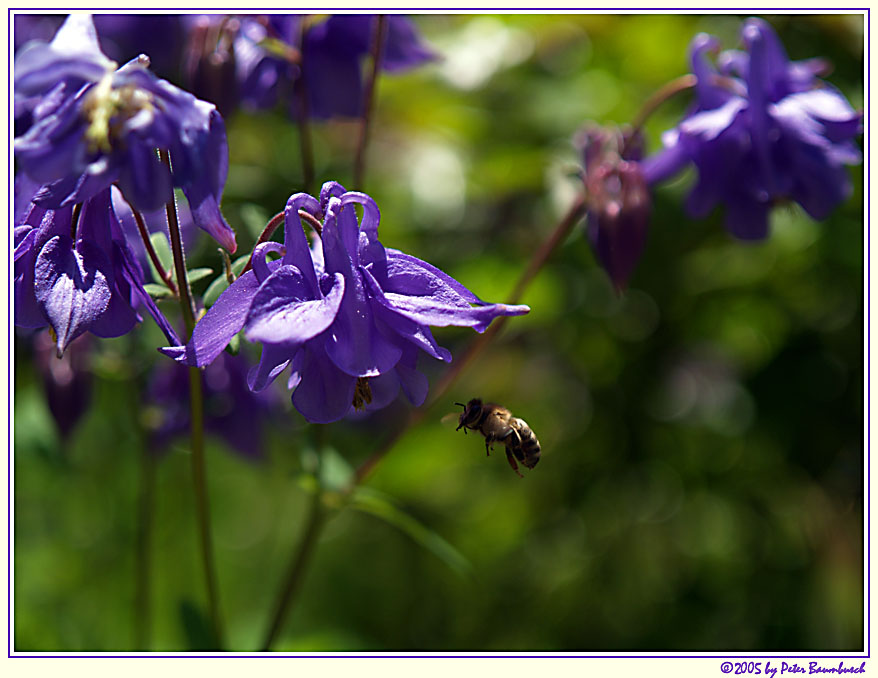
[497,424]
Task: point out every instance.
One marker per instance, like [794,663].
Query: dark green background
[702,471]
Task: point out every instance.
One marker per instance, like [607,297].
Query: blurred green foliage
[701,478]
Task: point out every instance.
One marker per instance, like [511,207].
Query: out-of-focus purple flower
[271,53]
[332,54]
[763,129]
[67,380]
[618,199]
[209,61]
[92,125]
[347,315]
[27,27]
[78,276]
[124,37]
[232,412]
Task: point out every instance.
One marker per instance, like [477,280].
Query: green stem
[265,236]
[150,251]
[295,573]
[368,102]
[301,95]
[202,506]
[187,304]
[196,411]
[661,95]
[143,566]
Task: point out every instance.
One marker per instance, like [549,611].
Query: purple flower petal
[298,253]
[71,287]
[413,383]
[353,343]
[282,313]
[273,361]
[222,322]
[73,54]
[440,311]
[384,388]
[325,393]
[410,274]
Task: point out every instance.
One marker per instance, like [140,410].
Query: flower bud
[618,200]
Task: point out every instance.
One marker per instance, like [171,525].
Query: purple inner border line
[270,655]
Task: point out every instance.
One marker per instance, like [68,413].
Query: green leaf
[234,345]
[156,290]
[221,283]
[162,249]
[335,473]
[255,218]
[382,506]
[197,274]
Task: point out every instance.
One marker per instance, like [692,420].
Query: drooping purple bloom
[232,412]
[271,54]
[763,129]
[67,381]
[78,277]
[347,315]
[618,199]
[90,125]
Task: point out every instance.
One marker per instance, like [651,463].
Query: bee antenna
[461,404]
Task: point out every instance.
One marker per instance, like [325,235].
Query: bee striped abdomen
[529,446]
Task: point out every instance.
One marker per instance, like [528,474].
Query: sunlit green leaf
[156,290]
[335,472]
[197,274]
[162,249]
[382,506]
[255,218]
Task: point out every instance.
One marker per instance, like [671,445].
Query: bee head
[472,413]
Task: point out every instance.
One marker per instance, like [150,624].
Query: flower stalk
[300,93]
[378,39]
[150,251]
[295,574]
[265,236]
[196,411]
[143,563]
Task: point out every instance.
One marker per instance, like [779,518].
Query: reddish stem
[266,234]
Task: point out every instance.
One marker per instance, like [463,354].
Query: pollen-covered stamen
[362,393]
[108,109]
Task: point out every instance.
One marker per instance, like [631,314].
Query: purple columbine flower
[89,125]
[347,315]
[270,53]
[74,271]
[763,129]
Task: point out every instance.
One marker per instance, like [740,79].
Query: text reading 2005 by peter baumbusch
[771,669]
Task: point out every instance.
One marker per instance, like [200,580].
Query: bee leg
[512,463]
[488,442]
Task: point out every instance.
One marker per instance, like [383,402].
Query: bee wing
[450,420]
